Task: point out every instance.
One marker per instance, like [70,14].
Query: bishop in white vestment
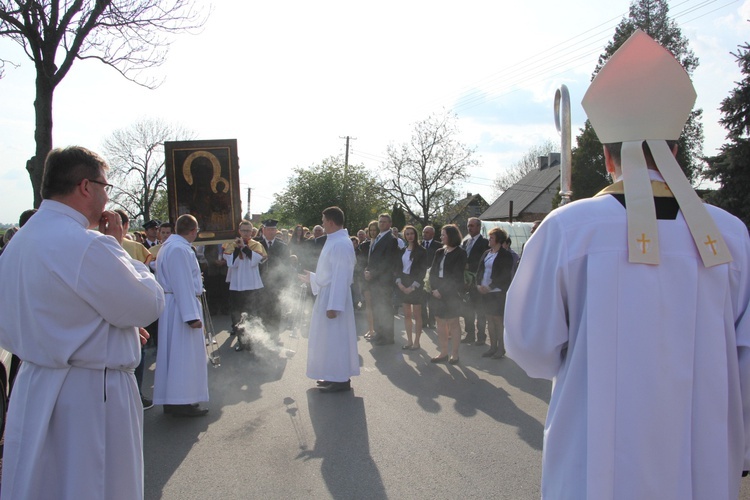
[332,347]
[645,333]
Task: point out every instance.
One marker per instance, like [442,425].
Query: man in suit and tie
[431,245]
[475,245]
[380,273]
[275,273]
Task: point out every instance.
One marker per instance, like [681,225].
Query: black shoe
[439,359]
[489,353]
[336,387]
[374,337]
[468,340]
[186,411]
[453,361]
[480,342]
[321,383]
[147,403]
[383,341]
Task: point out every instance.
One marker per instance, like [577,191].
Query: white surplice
[245,273]
[650,364]
[71,300]
[332,346]
[181,362]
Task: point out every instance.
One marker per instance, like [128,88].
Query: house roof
[459,208]
[523,193]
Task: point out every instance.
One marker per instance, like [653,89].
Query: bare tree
[528,162]
[136,158]
[127,35]
[421,175]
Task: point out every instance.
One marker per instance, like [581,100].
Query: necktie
[425,243]
[375,242]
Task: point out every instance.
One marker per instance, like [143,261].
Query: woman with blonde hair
[364,251]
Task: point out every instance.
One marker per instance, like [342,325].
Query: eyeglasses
[107,187]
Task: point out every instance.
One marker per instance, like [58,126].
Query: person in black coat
[275,273]
[494,275]
[447,286]
[430,244]
[474,321]
[410,283]
[382,264]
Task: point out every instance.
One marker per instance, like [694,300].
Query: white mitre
[644,94]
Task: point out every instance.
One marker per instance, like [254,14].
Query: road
[409,429]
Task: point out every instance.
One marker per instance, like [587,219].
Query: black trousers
[474,319]
[245,301]
[382,308]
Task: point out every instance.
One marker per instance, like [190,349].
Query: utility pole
[346,170]
[249,213]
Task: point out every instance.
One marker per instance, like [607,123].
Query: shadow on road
[342,444]
[239,379]
[471,393]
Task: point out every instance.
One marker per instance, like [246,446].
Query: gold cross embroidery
[711,242]
[643,242]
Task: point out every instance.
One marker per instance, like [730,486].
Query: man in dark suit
[380,273]
[431,245]
[275,273]
[475,245]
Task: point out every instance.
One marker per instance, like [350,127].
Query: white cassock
[181,371]
[332,346]
[71,300]
[650,364]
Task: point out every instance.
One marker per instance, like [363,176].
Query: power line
[562,56]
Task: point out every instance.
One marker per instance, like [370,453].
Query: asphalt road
[409,429]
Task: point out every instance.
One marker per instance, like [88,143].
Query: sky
[290,80]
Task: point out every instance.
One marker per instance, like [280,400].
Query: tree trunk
[42,134]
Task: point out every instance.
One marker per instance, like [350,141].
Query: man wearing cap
[152,231]
[275,274]
[635,303]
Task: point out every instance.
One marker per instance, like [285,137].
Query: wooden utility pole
[249,213]
[346,171]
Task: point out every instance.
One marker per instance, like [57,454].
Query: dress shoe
[321,383]
[489,353]
[374,337]
[468,340]
[498,355]
[480,342]
[188,411]
[383,341]
[453,361]
[439,359]
[336,387]
[406,347]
